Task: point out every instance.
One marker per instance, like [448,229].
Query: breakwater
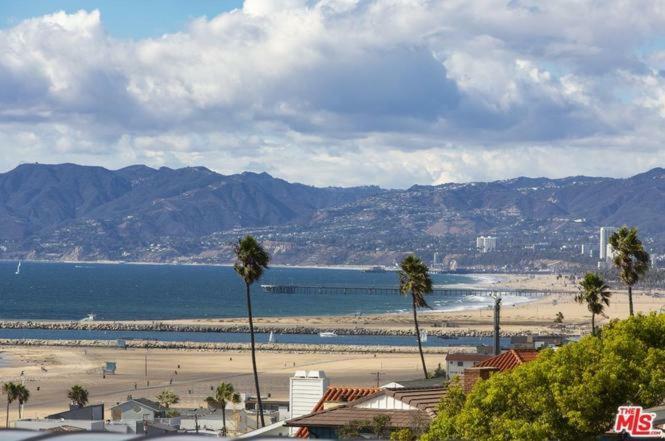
[203,346]
[225,328]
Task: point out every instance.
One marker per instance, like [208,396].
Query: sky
[337,92]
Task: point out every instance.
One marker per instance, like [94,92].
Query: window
[460,363]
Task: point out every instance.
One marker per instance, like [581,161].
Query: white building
[486,244]
[605,233]
[457,362]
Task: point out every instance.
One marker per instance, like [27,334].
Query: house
[499,363]
[60,425]
[402,407]
[458,361]
[94,412]
[138,409]
[336,396]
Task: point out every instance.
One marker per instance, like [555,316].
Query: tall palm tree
[223,394]
[251,261]
[414,279]
[22,396]
[78,395]
[12,394]
[596,294]
[630,258]
[167,397]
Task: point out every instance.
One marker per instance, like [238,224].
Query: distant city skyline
[334,92]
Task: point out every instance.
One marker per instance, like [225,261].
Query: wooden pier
[437,290]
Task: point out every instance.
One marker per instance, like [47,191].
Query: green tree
[223,394]
[22,397]
[167,398]
[571,394]
[595,293]
[78,395]
[414,279]
[558,318]
[251,261]
[9,389]
[630,258]
[379,427]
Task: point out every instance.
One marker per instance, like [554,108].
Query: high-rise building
[435,260]
[605,233]
[485,244]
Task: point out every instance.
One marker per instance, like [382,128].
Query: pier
[437,290]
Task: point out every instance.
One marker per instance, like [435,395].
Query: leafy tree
[630,258]
[379,427]
[10,389]
[22,397]
[251,261]
[595,293]
[78,395]
[571,394]
[414,279]
[167,398]
[223,394]
[405,434]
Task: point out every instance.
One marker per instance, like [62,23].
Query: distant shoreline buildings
[486,244]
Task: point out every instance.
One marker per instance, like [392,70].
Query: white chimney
[305,390]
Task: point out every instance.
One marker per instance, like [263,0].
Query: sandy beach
[198,371]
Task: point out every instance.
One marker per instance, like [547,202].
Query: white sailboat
[89,318]
[18,268]
[423,336]
[327,334]
[271,337]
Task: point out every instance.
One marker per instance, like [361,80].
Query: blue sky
[122,18]
[337,92]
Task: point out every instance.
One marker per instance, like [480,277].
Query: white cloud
[392,92]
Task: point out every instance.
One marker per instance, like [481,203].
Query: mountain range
[69,211]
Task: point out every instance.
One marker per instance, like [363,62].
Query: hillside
[192,214]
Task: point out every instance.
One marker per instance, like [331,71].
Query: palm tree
[167,397]
[414,279]
[223,394]
[251,261]
[22,396]
[596,294]
[78,395]
[12,394]
[630,258]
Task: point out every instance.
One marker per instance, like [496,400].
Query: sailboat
[18,268]
[271,337]
[423,336]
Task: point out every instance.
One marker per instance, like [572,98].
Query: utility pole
[146,367]
[497,321]
[378,378]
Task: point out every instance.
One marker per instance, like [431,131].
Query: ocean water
[68,291]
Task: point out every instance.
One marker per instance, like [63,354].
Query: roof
[420,382]
[465,356]
[342,416]
[426,399]
[64,428]
[510,359]
[338,394]
[152,405]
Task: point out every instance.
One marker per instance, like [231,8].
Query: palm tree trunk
[7,421]
[256,374]
[593,324]
[20,406]
[420,345]
[224,419]
[630,299]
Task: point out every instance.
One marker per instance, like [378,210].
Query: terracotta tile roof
[338,394]
[341,416]
[510,359]
[465,356]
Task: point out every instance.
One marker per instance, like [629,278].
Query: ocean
[71,291]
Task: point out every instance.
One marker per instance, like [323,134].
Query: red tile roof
[510,359]
[338,394]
